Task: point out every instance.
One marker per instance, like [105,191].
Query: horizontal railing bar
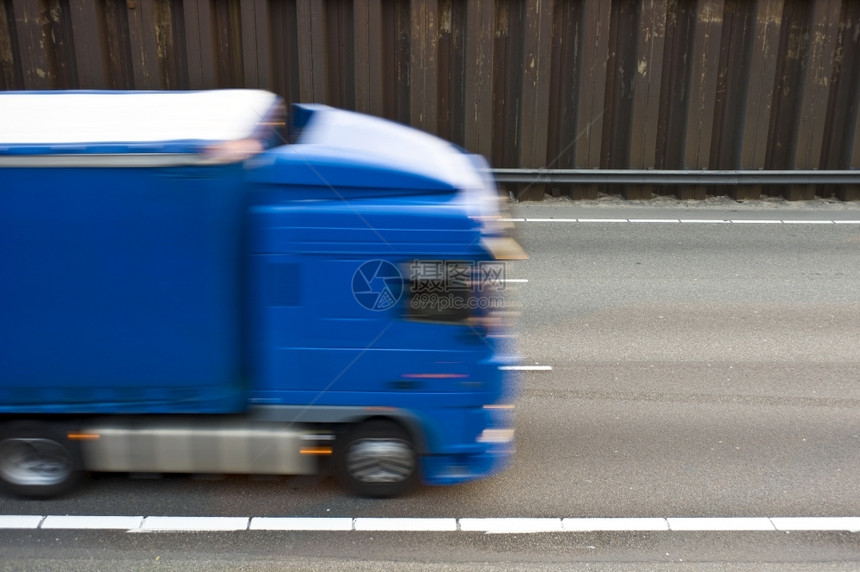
[678,177]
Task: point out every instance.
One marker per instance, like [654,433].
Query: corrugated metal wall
[665,84]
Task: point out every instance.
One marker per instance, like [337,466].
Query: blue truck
[202,282]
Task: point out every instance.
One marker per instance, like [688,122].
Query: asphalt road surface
[698,369]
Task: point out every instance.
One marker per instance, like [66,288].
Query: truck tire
[37,460]
[378,460]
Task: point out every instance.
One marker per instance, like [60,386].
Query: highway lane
[698,370]
[116,551]
[705,368]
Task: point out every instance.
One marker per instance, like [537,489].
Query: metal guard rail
[678,177]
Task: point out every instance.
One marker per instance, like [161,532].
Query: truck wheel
[378,460]
[37,461]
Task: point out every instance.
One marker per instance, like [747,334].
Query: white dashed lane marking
[721,524]
[293,523]
[92,522]
[406,524]
[485,525]
[193,524]
[20,521]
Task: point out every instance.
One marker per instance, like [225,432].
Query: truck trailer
[203,282]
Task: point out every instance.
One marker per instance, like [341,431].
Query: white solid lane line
[486,525]
[526,367]
[685,221]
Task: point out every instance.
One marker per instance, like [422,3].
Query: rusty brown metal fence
[621,84]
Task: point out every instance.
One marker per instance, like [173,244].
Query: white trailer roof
[58,120]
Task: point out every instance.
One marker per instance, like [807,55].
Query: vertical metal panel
[703,90]
[304,35]
[595,53]
[853,193]
[732,84]
[117,47]
[423,64]
[10,76]
[59,43]
[620,77]
[649,71]
[507,79]
[762,81]
[561,130]
[284,51]
[33,40]
[199,44]
[312,42]
[648,79]
[478,104]
[144,54]
[853,24]
[456,75]
[824,35]
[620,86]
[340,51]
[451,69]
[788,89]
[368,35]
[536,86]
[843,103]
[194,58]
[703,87]
[675,85]
[169,38]
[227,37]
[87,35]
[255,43]
[447,68]
[397,26]
[813,111]
[731,93]
[261,25]
[592,81]
[765,53]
